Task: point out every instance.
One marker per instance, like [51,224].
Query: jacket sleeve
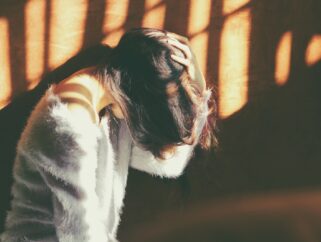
[64,151]
[172,166]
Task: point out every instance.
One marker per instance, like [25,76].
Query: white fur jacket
[70,176]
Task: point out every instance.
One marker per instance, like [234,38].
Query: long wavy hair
[160,103]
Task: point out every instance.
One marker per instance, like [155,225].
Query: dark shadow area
[135,14]
[47,36]
[94,22]
[17,54]
[177,13]
[14,13]
[279,217]
[214,31]
[274,141]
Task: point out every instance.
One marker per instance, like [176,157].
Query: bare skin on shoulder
[85,95]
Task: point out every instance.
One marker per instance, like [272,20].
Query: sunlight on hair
[35,39]
[154,16]
[313,52]
[198,22]
[230,6]
[114,20]
[5,76]
[234,61]
[67,24]
[283,59]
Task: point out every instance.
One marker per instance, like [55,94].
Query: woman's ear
[115,108]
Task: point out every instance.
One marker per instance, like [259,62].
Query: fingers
[183,47]
[179,42]
[181,60]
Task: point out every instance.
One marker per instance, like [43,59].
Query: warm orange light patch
[199,18]
[115,18]
[230,6]
[283,59]
[35,34]
[113,37]
[67,24]
[199,44]
[154,16]
[313,52]
[5,76]
[234,59]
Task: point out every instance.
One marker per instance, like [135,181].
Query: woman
[144,105]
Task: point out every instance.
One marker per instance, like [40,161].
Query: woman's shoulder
[77,93]
[53,122]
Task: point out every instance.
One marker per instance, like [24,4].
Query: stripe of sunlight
[67,23]
[5,76]
[35,40]
[230,6]
[313,52]
[283,59]
[155,11]
[234,58]
[115,19]
[198,22]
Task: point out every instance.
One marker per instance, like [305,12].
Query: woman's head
[159,102]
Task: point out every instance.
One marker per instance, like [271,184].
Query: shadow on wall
[271,143]
[274,141]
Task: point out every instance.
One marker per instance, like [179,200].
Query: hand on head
[189,61]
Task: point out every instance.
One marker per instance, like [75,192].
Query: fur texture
[70,176]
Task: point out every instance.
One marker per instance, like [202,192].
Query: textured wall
[263,56]
[237,41]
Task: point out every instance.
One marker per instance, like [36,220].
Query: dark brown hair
[161,105]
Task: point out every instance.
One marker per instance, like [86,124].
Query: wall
[263,57]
